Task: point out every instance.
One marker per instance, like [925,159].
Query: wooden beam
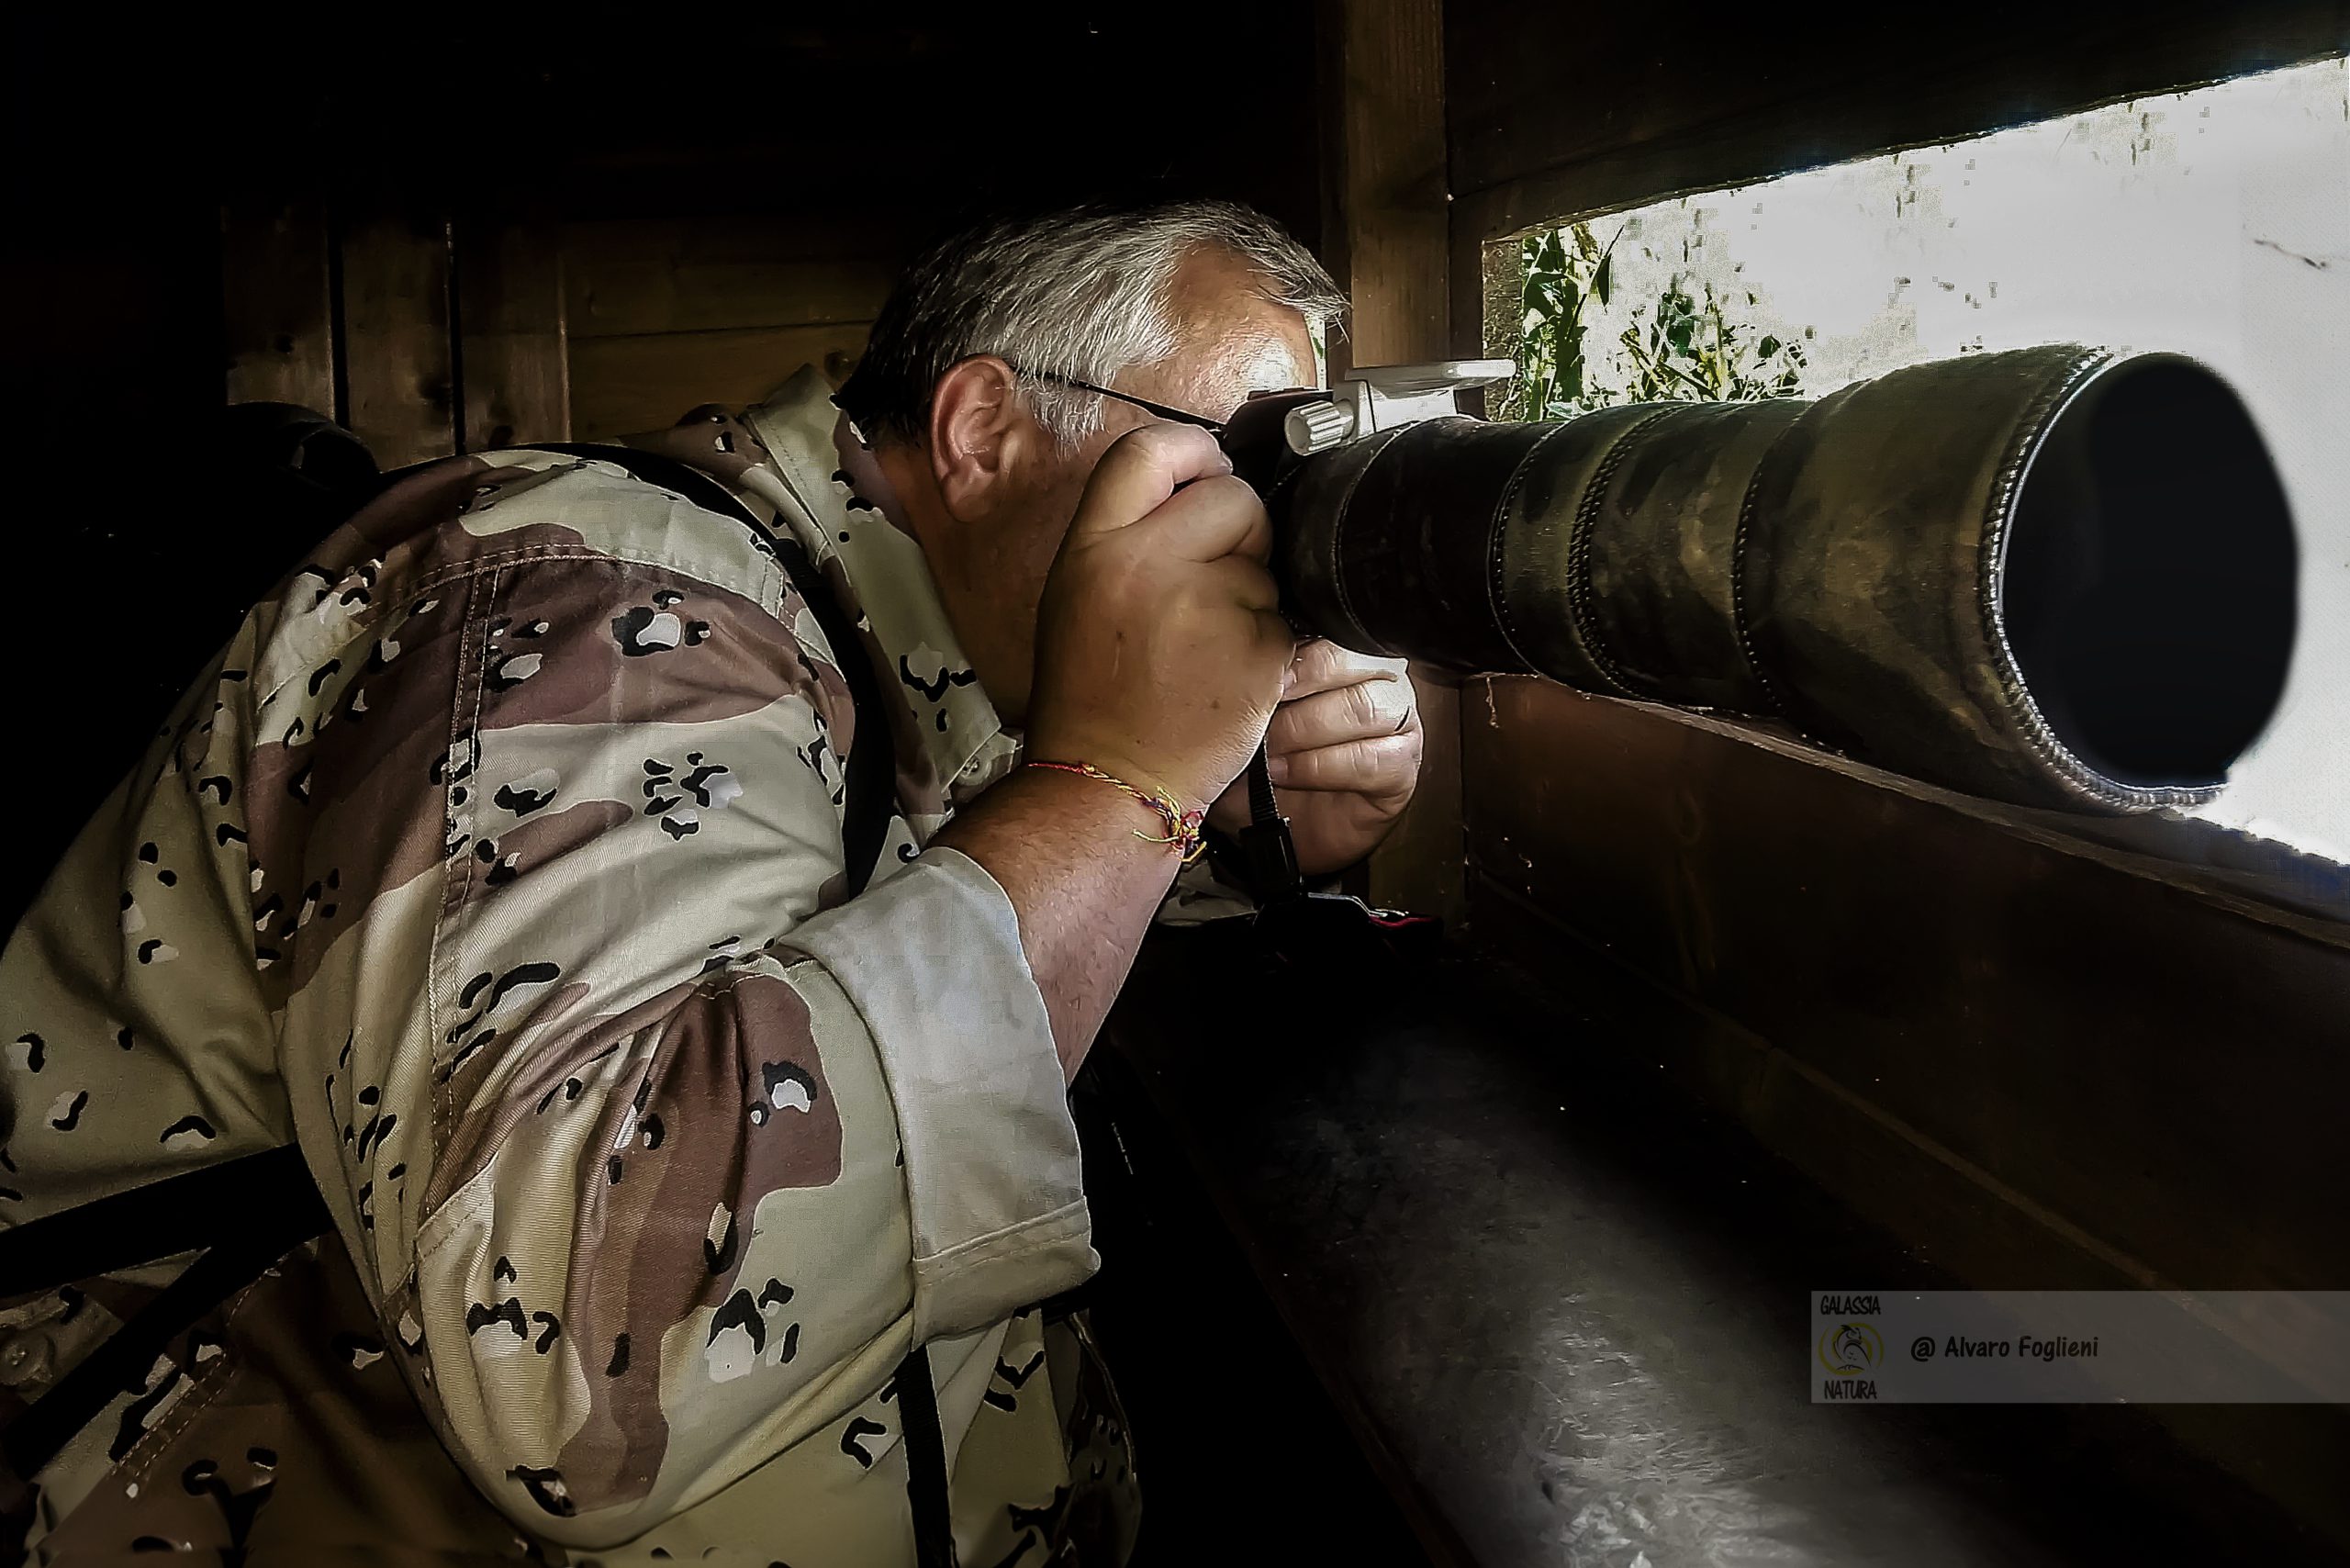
[276,296]
[1385,60]
[625,279]
[1561,112]
[1385,235]
[398,364]
[515,385]
[624,386]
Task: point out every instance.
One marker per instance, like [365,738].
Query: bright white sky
[2214,223]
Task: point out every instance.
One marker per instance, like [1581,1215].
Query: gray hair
[1082,292]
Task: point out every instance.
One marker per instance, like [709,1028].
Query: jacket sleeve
[656,1153]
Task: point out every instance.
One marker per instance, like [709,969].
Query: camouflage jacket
[497,861]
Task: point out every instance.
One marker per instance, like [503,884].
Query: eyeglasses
[1214,427]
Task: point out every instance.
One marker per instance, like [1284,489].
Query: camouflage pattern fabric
[497,861]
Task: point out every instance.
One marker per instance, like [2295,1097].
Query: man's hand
[1344,752]
[1159,655]
[1159,659]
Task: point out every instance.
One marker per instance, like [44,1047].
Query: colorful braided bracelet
[1182,827]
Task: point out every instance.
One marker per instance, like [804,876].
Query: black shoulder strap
[924,1437]
[197,1208]
[244,1212]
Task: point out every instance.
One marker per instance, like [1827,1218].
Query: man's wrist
[1180,826]
[1108,826]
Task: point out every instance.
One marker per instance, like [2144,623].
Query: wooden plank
[397,354]
[516,378]
[1558,112]
[715,274]
[2047,1011]
[276,296]
[624,386]
[1385,235]
[1391,175]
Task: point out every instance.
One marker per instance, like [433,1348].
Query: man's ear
[977,431]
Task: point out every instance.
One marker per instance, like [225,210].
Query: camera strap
[1295,924]
[1268,856]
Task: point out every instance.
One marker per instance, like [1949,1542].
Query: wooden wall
[425,331]
[667,313]
[428,333]
[602,233]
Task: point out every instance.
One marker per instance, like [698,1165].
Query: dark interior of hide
[2148,589]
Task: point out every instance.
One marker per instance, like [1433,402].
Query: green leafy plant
[1684,347]
[1560,281]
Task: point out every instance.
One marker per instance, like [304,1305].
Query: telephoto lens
[2059,576]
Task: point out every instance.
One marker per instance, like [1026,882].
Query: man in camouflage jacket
[497,863]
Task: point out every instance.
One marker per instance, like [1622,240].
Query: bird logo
[1849,1350]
